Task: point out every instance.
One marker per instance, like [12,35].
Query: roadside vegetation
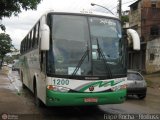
[7,9]
[14,7]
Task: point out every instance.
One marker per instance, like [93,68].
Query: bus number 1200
[61,82]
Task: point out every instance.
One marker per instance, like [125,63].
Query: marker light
[119,87]
[57,88]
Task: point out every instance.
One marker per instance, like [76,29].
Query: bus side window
[27,43]
[30,40]
[21,48]
[43,61]
[27,40]
[33,38]
[37,34]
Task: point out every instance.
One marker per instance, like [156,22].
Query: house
[153,56]
[144,17]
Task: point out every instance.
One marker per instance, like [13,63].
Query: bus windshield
[74,38]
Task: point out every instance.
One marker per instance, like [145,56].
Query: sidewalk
[10,101]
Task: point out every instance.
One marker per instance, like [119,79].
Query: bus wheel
[37,101]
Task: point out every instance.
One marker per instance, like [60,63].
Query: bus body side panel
[31,68]
[41,77]
[25,70]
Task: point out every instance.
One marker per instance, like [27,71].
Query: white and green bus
[78,58]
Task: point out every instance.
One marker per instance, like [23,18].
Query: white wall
[153,56]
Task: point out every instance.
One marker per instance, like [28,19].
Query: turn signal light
[123,86]
[50,87]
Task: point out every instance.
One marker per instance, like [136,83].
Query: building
[125,23]
[153,56]
[144,17]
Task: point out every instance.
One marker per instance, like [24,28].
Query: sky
[17,27]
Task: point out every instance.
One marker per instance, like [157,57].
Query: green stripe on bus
[100,84]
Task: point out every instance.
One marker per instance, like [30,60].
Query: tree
[13,7]
[2,27]
[124,19]
[8,59]
[11,58]
[5,46]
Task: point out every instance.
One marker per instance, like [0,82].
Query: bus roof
[84,12]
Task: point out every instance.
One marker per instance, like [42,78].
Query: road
[19,104]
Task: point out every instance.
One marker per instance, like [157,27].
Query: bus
[76,58]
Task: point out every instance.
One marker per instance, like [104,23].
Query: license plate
[89,100]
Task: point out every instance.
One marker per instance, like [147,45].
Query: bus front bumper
[76,99]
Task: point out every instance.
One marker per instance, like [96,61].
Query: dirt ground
[153,82]
[10,100]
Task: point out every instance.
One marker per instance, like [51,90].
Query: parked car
[16,66]
[136,85]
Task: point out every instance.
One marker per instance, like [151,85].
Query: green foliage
[9,7]
[16,56]
[124,19]
[5,44]
[2,27]
[13,7]
[10,58]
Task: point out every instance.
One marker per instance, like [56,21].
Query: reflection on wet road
[63,113]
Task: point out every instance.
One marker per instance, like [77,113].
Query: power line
[123,4]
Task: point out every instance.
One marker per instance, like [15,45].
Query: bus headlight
[119,87]
[57,88]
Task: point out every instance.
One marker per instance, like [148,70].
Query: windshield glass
[70,41]
[76,42]
[105,34]
[134,76]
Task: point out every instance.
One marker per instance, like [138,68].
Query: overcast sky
[18,27]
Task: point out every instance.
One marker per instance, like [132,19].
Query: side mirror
[45,37]
[133,37]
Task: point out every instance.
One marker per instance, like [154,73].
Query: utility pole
[119,10]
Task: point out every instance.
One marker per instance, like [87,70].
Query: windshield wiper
[86,53]
[100,52]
